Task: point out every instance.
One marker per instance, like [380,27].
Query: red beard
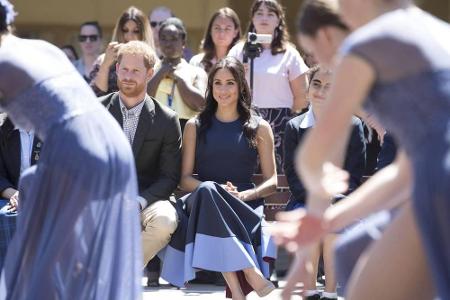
[131,88]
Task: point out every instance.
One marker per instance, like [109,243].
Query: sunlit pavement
[205,292]
[199,291]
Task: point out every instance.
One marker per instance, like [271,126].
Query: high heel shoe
[266,290]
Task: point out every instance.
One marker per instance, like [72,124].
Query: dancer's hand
[334,180]
[301,269]
[323,186]
[298,228]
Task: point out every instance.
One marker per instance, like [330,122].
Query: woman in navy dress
[78,234]
[223,230]
[402,61]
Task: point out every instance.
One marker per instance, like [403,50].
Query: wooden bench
[273,203]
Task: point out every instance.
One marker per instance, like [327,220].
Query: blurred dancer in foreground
[409,94]
[78,233]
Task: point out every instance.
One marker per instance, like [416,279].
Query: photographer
[279,83]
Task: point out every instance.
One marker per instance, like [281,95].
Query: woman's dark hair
[208,47]
[3,25]
[7,15]
[316,14]
[249,123]
[137,16]
[71,49]
[280,35]
[178,24]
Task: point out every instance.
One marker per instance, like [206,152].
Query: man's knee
[163,219]
[165,223]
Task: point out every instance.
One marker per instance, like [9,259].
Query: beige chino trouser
[159,220]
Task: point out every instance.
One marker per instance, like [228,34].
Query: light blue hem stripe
[173,260]
[208,253]
[220,254]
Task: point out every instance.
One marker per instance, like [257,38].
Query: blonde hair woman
[132,25]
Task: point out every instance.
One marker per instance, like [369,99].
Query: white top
[272,74]
[196,60]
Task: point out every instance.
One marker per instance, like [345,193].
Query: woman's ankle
[234,285]
[254,276]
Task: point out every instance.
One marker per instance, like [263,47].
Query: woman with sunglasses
[132,25]
[157,16]
[90,39]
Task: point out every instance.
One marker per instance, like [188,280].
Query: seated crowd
[194,124]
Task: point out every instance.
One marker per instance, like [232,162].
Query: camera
[253,49]
[255,38]
[253,46]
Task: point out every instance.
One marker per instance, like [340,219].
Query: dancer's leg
[329,264]
[354,242]
[394,267]
[328,260]
[309,286]
[233,284]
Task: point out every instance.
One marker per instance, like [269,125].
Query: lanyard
[172,92]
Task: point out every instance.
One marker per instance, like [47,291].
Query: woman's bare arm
[298,88]
[188,182]
[266,154]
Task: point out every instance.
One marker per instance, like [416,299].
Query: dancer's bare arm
[327,141]
[386,189]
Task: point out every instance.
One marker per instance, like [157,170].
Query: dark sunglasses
[154,23]
[91,37]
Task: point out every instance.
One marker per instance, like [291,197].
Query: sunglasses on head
[90,37]
[154,23]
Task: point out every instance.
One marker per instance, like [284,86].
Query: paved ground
[199,291]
